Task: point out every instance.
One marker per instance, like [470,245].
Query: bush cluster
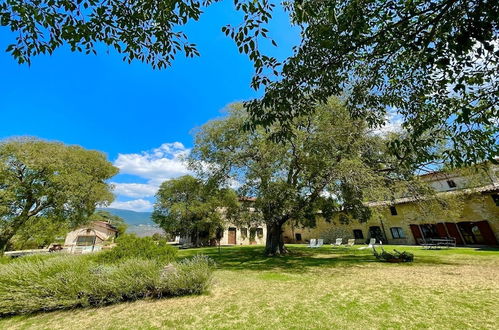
[63,282]
[131,246]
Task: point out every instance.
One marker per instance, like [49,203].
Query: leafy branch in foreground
[433,62]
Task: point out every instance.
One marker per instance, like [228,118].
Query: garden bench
[437,243]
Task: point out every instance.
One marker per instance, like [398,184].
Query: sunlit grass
[314,288]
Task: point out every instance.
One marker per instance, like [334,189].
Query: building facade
[232,235]
[90,238]
[471,218]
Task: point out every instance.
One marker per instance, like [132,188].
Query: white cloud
[135,190]
[393,123]
[138,205]
[156,165]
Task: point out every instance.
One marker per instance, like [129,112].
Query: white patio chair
[351,242]
[338,242]
[313,243]
[320,242]
[372,242]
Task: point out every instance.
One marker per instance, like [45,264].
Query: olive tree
[49,180]
[331,163]
[187,206]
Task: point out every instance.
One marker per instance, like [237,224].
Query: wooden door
[232,236]
[416,232]
[441,230]
[454,232]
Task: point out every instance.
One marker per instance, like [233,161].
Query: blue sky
[141,118]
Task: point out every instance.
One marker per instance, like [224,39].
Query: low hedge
[66,282]
[131,246]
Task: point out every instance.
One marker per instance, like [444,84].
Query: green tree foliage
[187,206]
[435,62]
[39,232]
[112,219]
[331,163]
[147,31]
[40,179]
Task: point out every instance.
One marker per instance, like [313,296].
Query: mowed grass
[328,287]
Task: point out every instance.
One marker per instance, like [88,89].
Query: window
[495,197]
[244,232]
[393,210]
[429,230]
[451,183]
[357,234]
[85,240]
[397,232]
[298,237]
[259,232]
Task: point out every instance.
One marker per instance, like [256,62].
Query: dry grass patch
[324,288]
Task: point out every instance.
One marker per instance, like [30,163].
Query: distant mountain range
[132,218]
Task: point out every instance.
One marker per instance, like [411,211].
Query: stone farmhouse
[232,234]
[474,221]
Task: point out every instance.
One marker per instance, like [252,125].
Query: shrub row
[66,282]
[131,246]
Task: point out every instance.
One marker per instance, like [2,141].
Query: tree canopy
[40,179]
[331,163]
[433,62]
[39,232]
[189,207]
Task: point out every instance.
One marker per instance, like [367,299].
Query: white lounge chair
[320,242]
[372,242]
[338,242]
[351,242]
[313,243]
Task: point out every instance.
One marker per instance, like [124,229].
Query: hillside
[132,218]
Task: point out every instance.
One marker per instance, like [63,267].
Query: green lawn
[321,288]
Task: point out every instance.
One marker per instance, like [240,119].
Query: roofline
[484,189]
[104,224]
[453,174]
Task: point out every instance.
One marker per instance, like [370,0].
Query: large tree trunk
[10,230]
[3,244]
[5,236]
[275,242]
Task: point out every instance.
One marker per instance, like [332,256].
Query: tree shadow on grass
[299,259]
[488,249]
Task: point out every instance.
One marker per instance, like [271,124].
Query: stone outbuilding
[90,238]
